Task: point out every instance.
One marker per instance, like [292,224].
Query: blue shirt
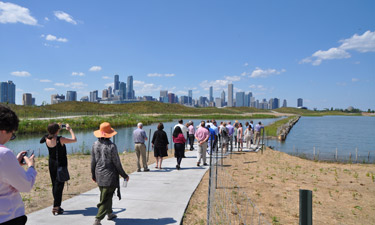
[258,127]
[212,133]
[139,136]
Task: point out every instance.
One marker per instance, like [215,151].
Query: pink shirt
[202,133]
[191,129]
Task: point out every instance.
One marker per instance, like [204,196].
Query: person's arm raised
[65,140]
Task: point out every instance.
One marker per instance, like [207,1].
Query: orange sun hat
[105,131]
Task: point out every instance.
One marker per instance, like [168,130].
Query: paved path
[156,197]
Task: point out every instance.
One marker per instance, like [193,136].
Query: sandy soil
[342,193]
[80,179]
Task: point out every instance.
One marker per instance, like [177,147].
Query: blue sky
[321,51]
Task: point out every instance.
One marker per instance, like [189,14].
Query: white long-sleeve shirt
[13,180]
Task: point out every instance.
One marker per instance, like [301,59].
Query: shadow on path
[135,221]
[91,211]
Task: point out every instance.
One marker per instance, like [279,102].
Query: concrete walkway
[156,197]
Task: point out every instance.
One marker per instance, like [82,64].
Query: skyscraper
[129,89]
[211,94]
[27,99]
[123,90]
[223,98]
[8,92]
[300,102]
[230,95]
[71,96]
[284,103]
[190,97]
[94,96]
[109,91]
[240,99]
[116,84]
[171,98]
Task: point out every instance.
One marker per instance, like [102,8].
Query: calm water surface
[85,139]
[346,133]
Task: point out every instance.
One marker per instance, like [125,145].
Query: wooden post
[356,155]
[314,152]
[336,154]
[368,158]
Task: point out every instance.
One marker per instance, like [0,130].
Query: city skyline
[277,49]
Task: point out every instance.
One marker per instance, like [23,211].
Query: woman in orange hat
[105,169]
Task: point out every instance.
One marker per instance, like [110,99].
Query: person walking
[235,128]
[57,158]
[179,145]
[13,178]
[248,136]
[160,144]
[202,135]
[191,135]
[230,133]
[224,134]
[139,138]
[257,131]
[240,137]
[105,170]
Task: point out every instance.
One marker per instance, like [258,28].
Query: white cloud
[355,79]
[72,85]
[233,78]
[50,89]
[106,77]
[12,13]
[109,84]
[154,75]
[246,64]
[51,37]
[46,19]
[95,68]
[144,88]
[80,74]
[61,85]
[258,87]
[65,16]
[161,75]
[360,43]
[45,81]
[21,73]
[19,90]
[258,72]
[243,74]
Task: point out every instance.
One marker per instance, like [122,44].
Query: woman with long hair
[179,145]
[57,158]
[105,170]
[248,136]
[160,144]
[240,137]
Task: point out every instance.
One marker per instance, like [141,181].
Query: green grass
[307,112]
[272,128]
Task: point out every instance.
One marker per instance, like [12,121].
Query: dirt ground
[342,193]
[80,179]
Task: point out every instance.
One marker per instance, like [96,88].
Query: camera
[63,126]
[28,153]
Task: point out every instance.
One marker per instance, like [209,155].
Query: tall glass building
[8,92]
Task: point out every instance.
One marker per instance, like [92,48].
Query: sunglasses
[13,136]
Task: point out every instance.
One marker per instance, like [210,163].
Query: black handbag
[62,171]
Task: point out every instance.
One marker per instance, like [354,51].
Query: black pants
[57,187]
[191,141]
[16,221]
[179,152]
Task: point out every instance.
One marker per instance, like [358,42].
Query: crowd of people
[106,167]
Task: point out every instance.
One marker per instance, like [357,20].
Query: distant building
[222,98]
[56,98]
[276,103]
[27,99]
[218,102]
[130,92]
[285,103]
[164,96]
[203,101]
[123,90]
[240,99]
[211,94]
[110,92]
[105,94]
[230,95]
[184,100]
[300,102]
[116,83]
[71,96]
[94,96]
[171,98]
[85,99]
[190,97]
[8,92]
[33,101]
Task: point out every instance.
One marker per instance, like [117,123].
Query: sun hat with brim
[105,131]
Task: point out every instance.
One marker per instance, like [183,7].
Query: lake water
[346,133]
[85,139]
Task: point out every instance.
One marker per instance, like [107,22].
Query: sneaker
[138,170]
[111,216]
[177,167]
[97,222]
[198,163]
[205,164]
[146,170]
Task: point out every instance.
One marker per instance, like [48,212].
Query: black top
[160,139]
[61,153]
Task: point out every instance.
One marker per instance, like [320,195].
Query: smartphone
[28,153]
[63,126]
